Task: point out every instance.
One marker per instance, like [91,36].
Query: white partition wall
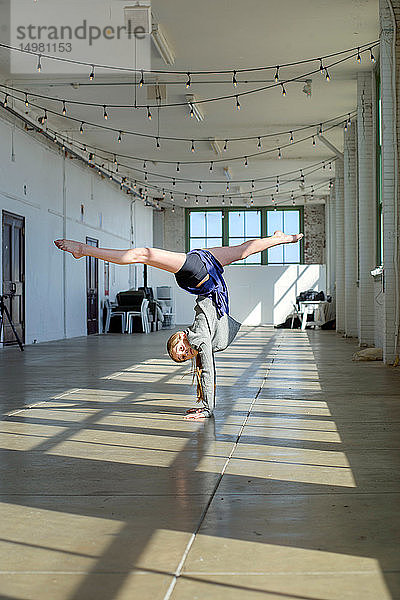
[60,197]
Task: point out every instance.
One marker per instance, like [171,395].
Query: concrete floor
[291,492]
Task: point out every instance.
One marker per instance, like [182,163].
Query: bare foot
[76,248]
[287,238]
[195,414]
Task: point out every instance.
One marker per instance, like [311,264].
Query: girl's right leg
[154,257]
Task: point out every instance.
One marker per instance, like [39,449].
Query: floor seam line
[213,493]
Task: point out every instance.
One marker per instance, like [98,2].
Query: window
[205,229]
[379,211]
[231,227]
[245,225]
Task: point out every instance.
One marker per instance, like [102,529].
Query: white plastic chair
[143,313]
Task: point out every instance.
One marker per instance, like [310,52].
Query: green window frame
[265,230]
[379,195]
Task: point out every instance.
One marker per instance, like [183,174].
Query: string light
[157,142]
[189,81]
[358,56]
[144,165]
[5,100]
[277,184]
[246,162]
[320,129]
[349,120]
[115,159]
[293,199]
[313,140]
[321,66]
[185,198]
[64,109]
[259,145]
[91,76]
[105,115]
[43,119]
[345,125]
[291,138]
[173,208]
[178,168]
[39,64]
[227,186]
[234,80]
[302,178]
[211,166]
[192,148]
[226,146]
[283,90]
[237,103]
[276,77]
[145,176]
[207,200]
[173,182]
[327,76]
[148,114]
[120,137]
[81,128]
[163,193]
[197,200]
[141,82]
[200,186]
[279,153]
[26,99]
[372,57]
[252,184]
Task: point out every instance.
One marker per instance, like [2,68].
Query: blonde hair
[172,342]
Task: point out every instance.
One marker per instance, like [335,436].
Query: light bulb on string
[283,90]
[173,182]
[173,208]
[226,146]
[313,140]
[115,159]
[120,137]
[200,186]
[188,81]
[64,109]
[211,166]
[81,128]
[246,162]
[345,125]
[372,57]
[5,100]
[327,76]
[148,113]
[145,176]
[227,186]
[91,76]
[178,167]
[158,142]
[358,59]
[105,115]
[234,80]
[207,200]
[279,153]
[185,198]
[291,138]
[171,196]
[192,148]
[277,184]
[191,111]
[196,200]
[163,193]
[230,202]
[259,145]
[39,64]
[320,129]
[135,185]
[237,103]
[144,164]
[330,166]
[141,82]
[323,165]
[349,120]
[276,77]
[272,199]
[321,66]
[252,184]
[26,99]
[302,178]
[223,198]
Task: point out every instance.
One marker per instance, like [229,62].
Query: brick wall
[314,234]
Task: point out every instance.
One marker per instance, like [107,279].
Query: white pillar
[350,231]
[366,207]
[390,177]
[330,228]
[339,202]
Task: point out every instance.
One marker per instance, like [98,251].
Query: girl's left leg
[229,254]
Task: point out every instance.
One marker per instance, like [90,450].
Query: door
[13,236]
[92,287]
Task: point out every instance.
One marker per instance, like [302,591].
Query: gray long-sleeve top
[207,335]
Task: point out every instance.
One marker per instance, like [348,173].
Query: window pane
[214,223]
[197,243]
[213,242]
[236,241]
[291,221]
[291,253]
[275,254]
[252,224]
[236,223]
[254,259]
[197,224]
[274,221]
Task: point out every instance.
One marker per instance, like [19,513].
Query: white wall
[259,295]
[51,204]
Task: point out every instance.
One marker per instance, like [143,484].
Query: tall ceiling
[223,35]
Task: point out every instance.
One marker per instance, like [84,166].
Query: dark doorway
[92,287]
[14,275]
